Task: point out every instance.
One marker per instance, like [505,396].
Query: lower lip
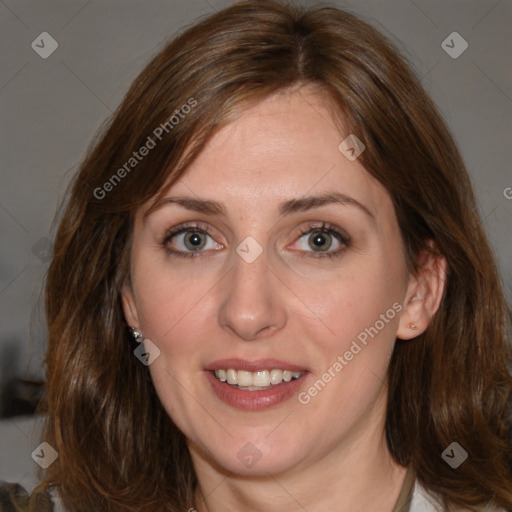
[254,400]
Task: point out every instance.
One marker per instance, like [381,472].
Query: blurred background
[65,66]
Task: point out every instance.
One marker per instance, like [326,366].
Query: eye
[188,241]
[323,241]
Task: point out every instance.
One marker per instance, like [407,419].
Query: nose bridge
[250,269]
[251,305]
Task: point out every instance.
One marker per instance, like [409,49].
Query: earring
[137,335]
[412,326]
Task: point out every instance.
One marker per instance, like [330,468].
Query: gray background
[51,108]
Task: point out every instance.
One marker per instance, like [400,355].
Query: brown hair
[118,448]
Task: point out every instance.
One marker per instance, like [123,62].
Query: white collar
[423,501]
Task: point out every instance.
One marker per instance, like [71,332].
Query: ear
[129,307]
[424,293]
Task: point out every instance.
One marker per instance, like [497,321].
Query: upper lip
[253,366]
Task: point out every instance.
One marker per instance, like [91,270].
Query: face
[273,258]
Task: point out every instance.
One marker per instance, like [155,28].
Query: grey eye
[320,241]
[194,241]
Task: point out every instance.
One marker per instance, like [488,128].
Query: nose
[253,302]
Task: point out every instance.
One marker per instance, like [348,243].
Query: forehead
[284,147]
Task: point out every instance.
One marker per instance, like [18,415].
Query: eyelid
[187,226]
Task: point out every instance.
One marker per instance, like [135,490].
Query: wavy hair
[118,448]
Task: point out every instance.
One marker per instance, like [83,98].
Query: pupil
[195,240]
[320,240]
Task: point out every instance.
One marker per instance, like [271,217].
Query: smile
[256,381]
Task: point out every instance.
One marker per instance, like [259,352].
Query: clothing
[414,498]
[14,498]
[403,503]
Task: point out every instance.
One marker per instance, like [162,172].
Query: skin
[330,454]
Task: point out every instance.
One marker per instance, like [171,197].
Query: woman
[271,289]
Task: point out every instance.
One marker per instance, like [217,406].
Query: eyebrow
[288,207]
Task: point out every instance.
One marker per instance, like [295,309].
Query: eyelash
[323,227]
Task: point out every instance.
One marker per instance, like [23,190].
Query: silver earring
[137,335]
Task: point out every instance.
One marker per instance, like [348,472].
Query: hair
[118,448]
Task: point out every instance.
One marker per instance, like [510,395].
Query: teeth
[253,381]
[244,379]
[260,378]
[276,376]
[232,376]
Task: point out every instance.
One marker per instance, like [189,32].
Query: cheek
[170,295]
[353,299]
[353,344]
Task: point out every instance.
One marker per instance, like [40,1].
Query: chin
[241,456]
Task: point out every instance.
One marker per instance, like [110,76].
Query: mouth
[255,385]
[256,381]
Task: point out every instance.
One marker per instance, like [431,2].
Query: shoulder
[15,498]
[424,501]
